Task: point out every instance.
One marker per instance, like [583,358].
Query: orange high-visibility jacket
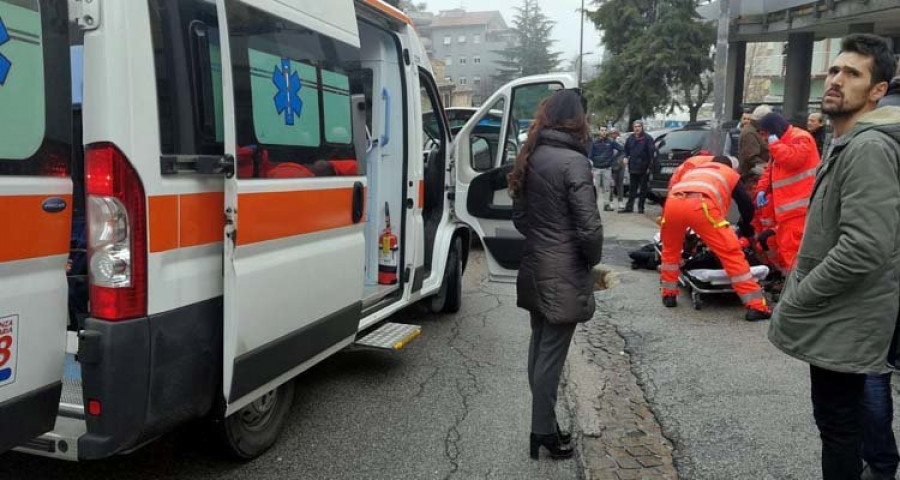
[687,166]
[790,174]
[704,176]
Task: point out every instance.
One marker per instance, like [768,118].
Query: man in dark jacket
[839,307]
[604,152]
[640,150]
[892,99]
[753,152]
[815,125]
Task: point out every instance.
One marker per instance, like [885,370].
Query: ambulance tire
[252,430]
[449,297]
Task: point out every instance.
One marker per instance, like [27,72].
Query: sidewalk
[620,437]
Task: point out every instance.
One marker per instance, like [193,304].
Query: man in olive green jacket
[840,303]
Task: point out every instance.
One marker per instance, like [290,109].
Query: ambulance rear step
[62,442]
[390,336]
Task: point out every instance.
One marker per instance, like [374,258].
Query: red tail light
[117,235]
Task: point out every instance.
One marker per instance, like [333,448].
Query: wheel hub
[258,414]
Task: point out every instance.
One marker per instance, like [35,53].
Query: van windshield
[689,140]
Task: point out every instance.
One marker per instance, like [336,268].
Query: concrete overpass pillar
[734,80]
[797,77]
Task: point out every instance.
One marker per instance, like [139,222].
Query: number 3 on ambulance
[8,326]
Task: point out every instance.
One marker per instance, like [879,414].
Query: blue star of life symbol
[287,100]
[5,64]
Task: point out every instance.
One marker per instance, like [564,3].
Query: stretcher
[706,281]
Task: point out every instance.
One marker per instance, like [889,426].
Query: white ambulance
[205,217]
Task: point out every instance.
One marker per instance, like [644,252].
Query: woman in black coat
[556,209]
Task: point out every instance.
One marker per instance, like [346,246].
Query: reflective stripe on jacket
[790,174]
[714,180]
[687,166]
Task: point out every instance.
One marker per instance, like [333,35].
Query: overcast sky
[563,12]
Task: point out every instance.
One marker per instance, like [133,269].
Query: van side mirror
[360,142]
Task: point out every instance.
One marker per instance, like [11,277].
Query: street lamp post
[581,46]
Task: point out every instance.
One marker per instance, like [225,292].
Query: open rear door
[35,214]
[485,151]
[294,240]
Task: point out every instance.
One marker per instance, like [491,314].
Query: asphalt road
[453,404]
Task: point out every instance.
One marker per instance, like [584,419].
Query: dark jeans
[837,400]
[879,446]
[639,181]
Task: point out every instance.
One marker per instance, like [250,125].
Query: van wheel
[449,297]
[252,430]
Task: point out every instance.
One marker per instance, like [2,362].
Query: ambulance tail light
[117,236]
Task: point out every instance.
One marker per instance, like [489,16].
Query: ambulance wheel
[252,430]
[696,301]
[449,296]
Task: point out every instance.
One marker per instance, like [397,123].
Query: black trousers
[546,357]
[639,181]
[837,400]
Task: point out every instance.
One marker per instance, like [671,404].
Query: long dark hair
[563,111]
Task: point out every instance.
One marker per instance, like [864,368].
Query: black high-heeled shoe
[552,444]
[564,437]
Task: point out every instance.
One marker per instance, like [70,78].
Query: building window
[476,100]
[448,80]
[463,81]
[476,38]
[476,81]
[448,61]
[476,58]
[462,60]
[447,39]
[461,39]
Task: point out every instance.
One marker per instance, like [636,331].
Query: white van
[203,219]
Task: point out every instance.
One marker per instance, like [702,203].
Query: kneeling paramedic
[700,194]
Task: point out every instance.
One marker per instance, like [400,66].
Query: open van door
[294,254]
[35,214]
[485,150]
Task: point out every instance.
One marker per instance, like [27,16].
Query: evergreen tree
[658,57]
[530,53]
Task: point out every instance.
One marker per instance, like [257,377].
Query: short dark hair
[876,47]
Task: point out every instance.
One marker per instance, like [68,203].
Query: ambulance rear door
[294,207]
[485,150]
[35,214]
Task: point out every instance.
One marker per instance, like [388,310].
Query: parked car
[676,146]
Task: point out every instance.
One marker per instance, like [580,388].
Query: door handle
[359,201]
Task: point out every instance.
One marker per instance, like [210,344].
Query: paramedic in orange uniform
[700,193]
[787,183]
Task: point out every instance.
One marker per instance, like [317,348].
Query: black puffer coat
[558,215]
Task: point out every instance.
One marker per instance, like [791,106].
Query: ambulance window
[292,90]
[35,118]
[188,66]
[336,104]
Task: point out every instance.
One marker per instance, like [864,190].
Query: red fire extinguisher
[387,258]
